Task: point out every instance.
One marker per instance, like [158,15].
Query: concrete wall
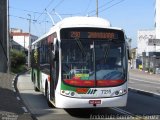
[3,35]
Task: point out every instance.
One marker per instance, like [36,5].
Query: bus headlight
[120,92]
[67,93]
[72,93]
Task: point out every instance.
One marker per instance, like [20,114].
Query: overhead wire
[101,6]
[101,9]
[89,3]
[107,7]
[111,6]
[45,9]
[67,14]
[59,4]
[25,10]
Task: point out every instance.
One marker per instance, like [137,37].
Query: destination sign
[92,33]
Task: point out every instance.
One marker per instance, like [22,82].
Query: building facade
[143,37]
[20,39]
[148,55]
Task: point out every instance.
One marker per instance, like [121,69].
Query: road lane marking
[13,82]
[14,90]
[121,111]
[144,81]
[146,85]
[128,113]
[18,98]
[25,109]
[131,82]
[145,91]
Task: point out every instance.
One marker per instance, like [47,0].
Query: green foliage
[147,69]
[18,60]
[18,68]
[151,70]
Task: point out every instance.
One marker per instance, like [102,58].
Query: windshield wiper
[81,47]
[106,53]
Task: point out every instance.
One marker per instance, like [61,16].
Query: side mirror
[54,55]
[55,52]
[129,54]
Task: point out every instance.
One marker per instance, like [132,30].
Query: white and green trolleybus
[82,62]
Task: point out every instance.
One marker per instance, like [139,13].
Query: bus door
[54,70]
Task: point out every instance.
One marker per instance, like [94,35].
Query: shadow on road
[90,112]
[8,102]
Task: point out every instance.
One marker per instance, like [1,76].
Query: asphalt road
[145,85]
[138,104]
[11,108]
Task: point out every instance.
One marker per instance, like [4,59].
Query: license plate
[94,101]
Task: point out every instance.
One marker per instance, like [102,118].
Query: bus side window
[55,52]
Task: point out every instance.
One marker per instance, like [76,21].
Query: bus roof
[83,21]
[78,21]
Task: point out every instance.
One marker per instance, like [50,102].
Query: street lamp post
[29,45]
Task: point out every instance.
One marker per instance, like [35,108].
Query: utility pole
[97,8]
[29,45]
[24,44]
[8,39]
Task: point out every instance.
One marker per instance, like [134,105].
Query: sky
[130,15]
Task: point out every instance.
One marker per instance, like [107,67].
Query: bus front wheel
[47,95]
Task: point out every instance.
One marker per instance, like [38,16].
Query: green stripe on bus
[67,87]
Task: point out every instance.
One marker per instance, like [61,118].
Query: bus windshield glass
[93,63]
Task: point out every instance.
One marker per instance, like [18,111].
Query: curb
[147,93]
[24,107]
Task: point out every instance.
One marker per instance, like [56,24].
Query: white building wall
[142,41]
[157,18]
[22,41]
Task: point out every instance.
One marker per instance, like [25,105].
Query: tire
[36,89]
[47,96]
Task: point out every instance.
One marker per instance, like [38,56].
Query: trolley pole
[97,8]
[29,45]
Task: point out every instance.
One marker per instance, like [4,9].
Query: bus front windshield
[92,63]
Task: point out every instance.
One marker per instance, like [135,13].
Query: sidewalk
[144,83]
[10,105]
[144,75]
